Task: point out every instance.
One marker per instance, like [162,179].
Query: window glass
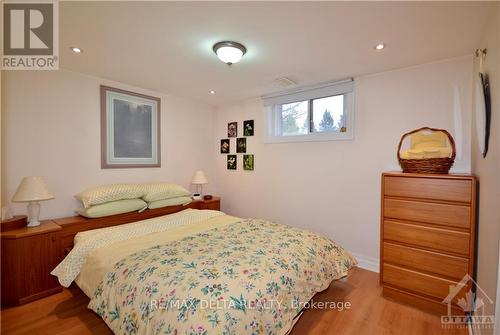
[328,114]
[294,118]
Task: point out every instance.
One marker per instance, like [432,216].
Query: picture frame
[130,129]
[232,162]
[248,162]
[225,146]
[248,128]
[232,129]
[241,145]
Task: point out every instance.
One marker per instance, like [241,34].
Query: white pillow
[170,202]
[113,208]
[107,193]
[161,191]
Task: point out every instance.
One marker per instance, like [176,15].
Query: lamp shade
[32,189]
[199,178]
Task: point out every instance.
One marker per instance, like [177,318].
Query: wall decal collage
[241,145]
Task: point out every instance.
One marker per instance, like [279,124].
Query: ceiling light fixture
[229,52]
[380,46]
[76,50]
[211,92]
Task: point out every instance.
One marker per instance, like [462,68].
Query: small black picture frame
[248,128]
[232,129]
[248,162]
[241,145]
[225,146]
[231,162]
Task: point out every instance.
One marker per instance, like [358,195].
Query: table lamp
[32,190]
[199,179]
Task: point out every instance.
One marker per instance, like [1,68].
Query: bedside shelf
[28,256]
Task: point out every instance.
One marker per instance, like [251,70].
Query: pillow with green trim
[170,202]
[161,191]
[107,193]
[113,208]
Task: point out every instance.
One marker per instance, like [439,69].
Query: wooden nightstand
[28,256]
[213,204]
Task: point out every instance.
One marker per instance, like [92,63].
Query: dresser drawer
[442,214]
[427,237]
[418,282]
[445,265]
[429,188]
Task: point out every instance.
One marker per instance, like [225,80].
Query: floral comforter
[250,277]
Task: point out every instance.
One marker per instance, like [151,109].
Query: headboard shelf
[74,224]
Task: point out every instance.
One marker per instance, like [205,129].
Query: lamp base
[33,224]
[33,214]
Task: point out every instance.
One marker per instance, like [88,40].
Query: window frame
[273,112]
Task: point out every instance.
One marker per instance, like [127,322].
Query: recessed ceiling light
[380,46]
[76,50]
[229,52]
[211,92]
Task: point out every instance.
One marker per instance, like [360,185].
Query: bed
[201,272]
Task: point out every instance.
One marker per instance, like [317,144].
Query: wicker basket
[427,165]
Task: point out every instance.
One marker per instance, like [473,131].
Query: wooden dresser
[427,238]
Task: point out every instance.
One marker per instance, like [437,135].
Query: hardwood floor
[370,313]
[67,313]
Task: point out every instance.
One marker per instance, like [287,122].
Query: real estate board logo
[472,303]
[30,35]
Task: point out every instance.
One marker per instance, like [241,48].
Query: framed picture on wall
[231,162]
[232,129]
[248,162]
[225,146]
[241,145]
[130,129]
[248,128]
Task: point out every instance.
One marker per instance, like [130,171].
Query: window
[294,118]
[325,114]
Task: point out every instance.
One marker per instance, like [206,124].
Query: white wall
[51,128]
[334,187]
[488,171]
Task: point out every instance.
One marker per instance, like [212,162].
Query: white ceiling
[167,46]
